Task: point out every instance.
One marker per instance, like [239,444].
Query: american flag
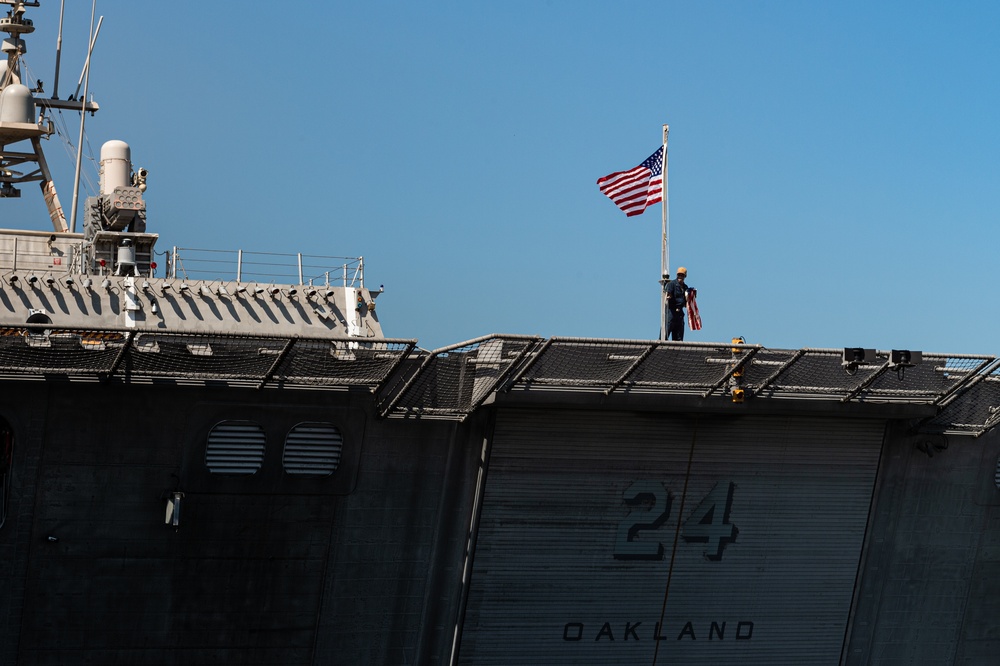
[694,317]
[636,188]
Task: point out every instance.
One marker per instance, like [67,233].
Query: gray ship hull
[356,567]
[536,524]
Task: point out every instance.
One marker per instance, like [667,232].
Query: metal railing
[257,360]
[266,267]
[959,393]
[33,251]
[963,389]
[39,252]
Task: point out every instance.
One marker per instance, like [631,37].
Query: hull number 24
[650,504]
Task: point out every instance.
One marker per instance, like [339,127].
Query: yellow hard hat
[682,271]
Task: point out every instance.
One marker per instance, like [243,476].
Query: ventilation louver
[235,448]
[312,449]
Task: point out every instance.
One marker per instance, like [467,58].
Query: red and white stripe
[637,188]
[694,318]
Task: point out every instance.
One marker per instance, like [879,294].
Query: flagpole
[665,249]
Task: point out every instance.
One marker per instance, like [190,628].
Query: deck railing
[58,253]
[266,267]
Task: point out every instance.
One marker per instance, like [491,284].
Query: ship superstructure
[107,275]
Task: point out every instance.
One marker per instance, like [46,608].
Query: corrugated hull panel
[576,561]
[930,585]
[361,566]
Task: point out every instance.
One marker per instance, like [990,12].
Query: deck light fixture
[857,356]
[901,359]
[904,358]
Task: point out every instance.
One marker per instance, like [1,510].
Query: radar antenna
[85,79]
[19,120]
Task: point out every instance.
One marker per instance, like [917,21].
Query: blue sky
[833,166]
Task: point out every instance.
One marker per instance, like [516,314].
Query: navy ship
[217,457]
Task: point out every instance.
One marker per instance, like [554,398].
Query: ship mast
[19,121]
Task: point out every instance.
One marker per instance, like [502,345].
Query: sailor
[674,300]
